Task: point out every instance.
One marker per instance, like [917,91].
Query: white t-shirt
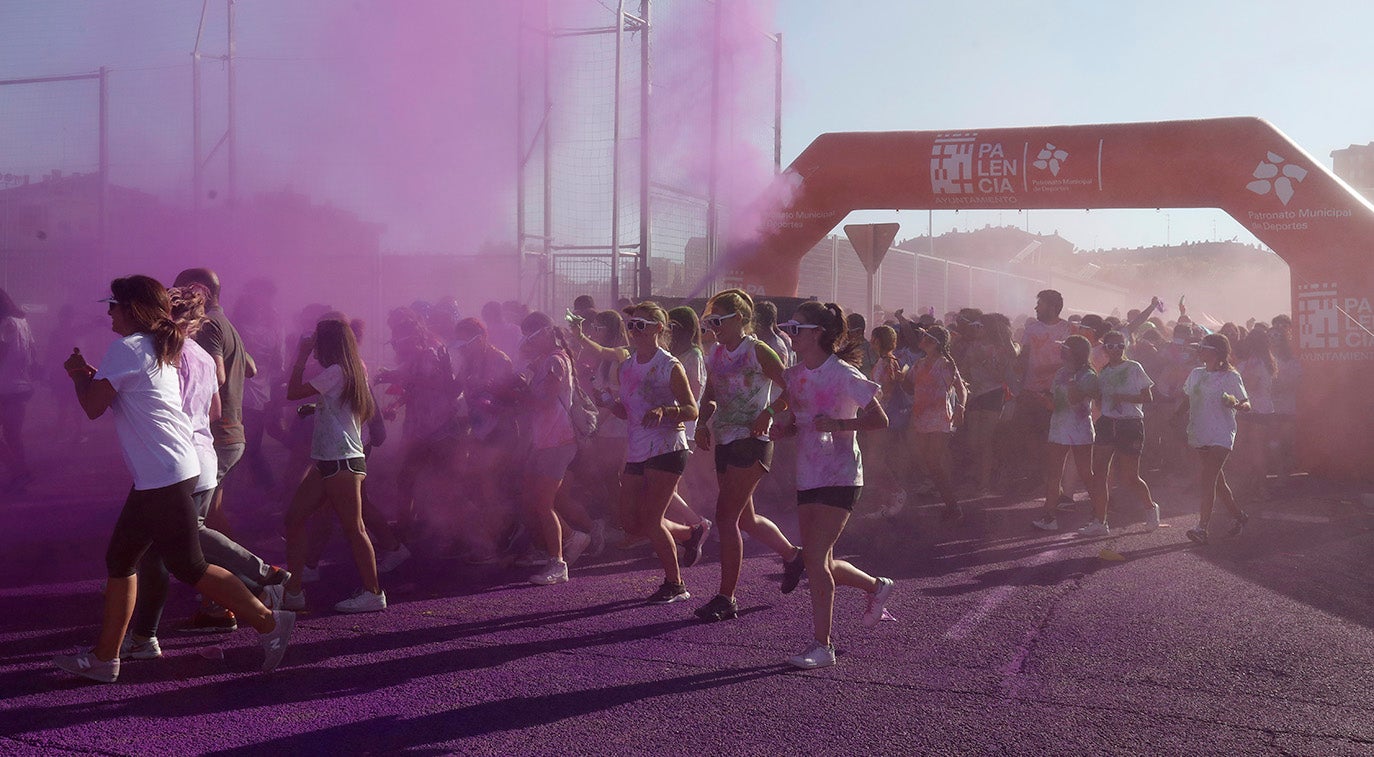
[338,434]
[154,432]
[1126,380]
[740,388]
[199,385]
[1071,423]
[694,363]
[1042,341]
[644,386]
[834,390]
[551,383]
[1260,382]
[1210,422]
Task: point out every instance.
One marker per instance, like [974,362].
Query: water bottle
[825,439]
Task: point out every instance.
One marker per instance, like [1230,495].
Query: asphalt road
[1006,641]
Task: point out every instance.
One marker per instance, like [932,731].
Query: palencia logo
[1273,174]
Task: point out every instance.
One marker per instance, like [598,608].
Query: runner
[938,399]
[1120,433]
[336,478]
[155,437]
[1071,424]
[1215,392]
[830,401]
[655,401]
[554,441]
[743,377]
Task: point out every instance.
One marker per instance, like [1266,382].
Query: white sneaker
[555,573]
[274,642]
[139,650]
[392,559]
[310,575]
[293,602]
[1046,524]
[576,546]
[363,601]
[877,602]
[84,663]
[1152,517]
[598,537]
[817,655]
[1095,528]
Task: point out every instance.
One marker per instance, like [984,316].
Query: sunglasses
[713,322]
[792,328]
[639,324]
[466,342]
[530,336]
[1113,346]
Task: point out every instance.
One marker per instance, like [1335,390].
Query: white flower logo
[1051,157]
[1266,172]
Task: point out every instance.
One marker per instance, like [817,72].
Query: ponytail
[150,310]
[834,335]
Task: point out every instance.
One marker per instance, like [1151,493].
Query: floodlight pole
[712,201]
[615,153]
[232,110]
[645,288]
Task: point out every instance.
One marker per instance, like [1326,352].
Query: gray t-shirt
[219,338]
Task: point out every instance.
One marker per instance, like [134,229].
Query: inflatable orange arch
[1244,166]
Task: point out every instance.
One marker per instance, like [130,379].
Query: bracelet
[769,409]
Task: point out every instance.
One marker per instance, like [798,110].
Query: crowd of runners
[554,437]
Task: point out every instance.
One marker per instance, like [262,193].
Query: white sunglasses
[792,328]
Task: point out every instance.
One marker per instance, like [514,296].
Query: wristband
[769,410]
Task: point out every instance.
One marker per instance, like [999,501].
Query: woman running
[138,380]
[991,369]
[656,401]
[1123,387]
[1071,424]
[743,377]
[938,396]
[830,401]
[554,440]
[344,404]
[1215,392]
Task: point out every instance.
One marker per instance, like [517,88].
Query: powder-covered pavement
[1007,641]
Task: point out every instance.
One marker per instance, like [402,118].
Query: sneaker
[1238,527]
[1152,517]
[532,559]
[392,559]
[555,573]
[132,649]
[720,607]
[1198,535]
[1046,524]
[669,593]
[295,602]
[84,663]
[274,642]
[274,597]
[276,576]
[310,574]
[363,601]
[691,549]
[575,547]
[877,604]
[792,571]
[1095,528]
[598,537]
[204,622]
[817,655]
[1066,502]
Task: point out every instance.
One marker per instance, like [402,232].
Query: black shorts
[1125,435]
[843,497]
[988,401]
[668,462]
[328,468]
[744,453]
[1032,416]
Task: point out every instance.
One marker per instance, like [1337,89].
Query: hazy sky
[892,65]
[856,65]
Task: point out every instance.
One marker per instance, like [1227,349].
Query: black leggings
[165,521]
